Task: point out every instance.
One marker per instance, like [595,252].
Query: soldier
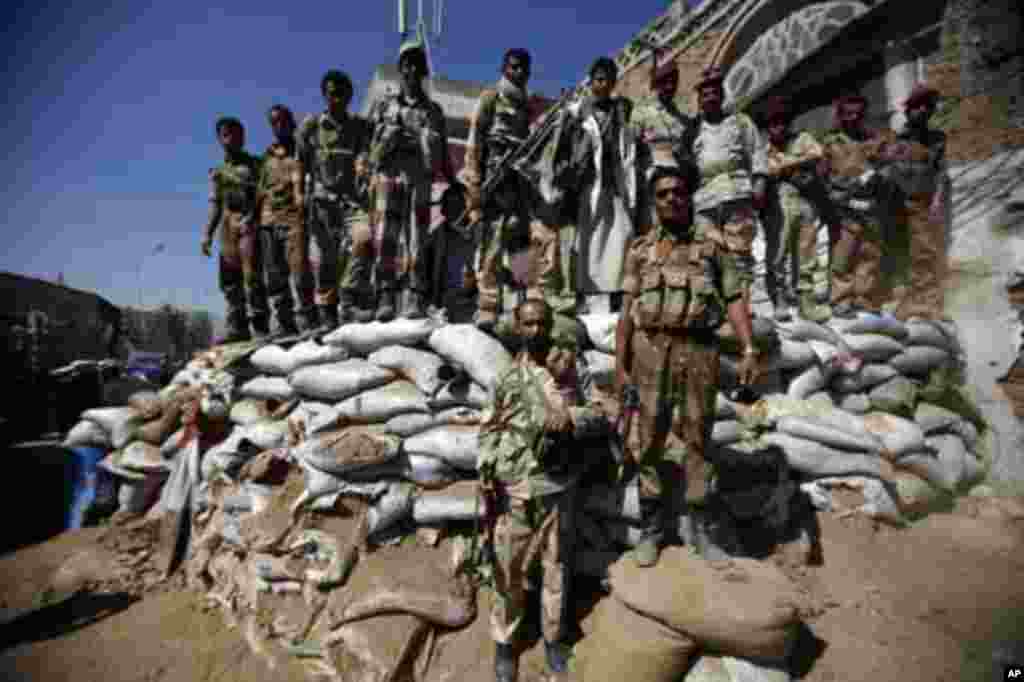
[920,173]
[858,194]
[451,252]
[500,124]
[664,133]
[409,144]
[527,472]
[330,146]
[792,215]
[730,156]
[283,230]
[681,282]
[233,210]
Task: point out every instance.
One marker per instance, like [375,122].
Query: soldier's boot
[385,306]
[310,319]
[286,326]
[346,305]
[351,307]
[416,308]
[328,317]
[506,663]
[810,310]
[652,535]
[780,309]
[557,655]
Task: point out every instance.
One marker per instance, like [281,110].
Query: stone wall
[636,83]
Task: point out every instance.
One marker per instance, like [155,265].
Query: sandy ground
[926,603]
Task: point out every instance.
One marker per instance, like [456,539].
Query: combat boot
[506,663]
[385,306]
[328,317]
[780,310]
[557,655]
[810,310]
[352,310]
[346,305]
[286,327]
[415,309]
[261,329]
[310,320]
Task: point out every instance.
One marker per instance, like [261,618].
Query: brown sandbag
[626,645]
[740,607]
[155,432]
[148,403]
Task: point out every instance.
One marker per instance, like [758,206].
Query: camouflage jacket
[659,127]
[792,167]
[404,127]
[728,154]
[855,182]
[281,187]
[500,123]
[523,436]
[233,184]
[333,152]
[680,283]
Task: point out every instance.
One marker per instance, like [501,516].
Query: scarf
[507,88]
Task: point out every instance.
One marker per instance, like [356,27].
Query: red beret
[712,75]
[921,94]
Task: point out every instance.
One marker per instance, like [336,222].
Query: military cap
[712,75]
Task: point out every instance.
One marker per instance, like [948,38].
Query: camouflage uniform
[409,143]
[919,173]
[677,289]
[664,135]
[728,155]
[533,475]
[331,152]
[499,125]
[233,193]
[858,195]
[285,254]
[792,215]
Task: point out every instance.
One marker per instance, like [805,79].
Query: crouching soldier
[528,472]
[233,210]
[681,281]
[451,253]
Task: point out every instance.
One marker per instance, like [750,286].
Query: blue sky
[111,110]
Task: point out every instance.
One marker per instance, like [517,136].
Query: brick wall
[635,83]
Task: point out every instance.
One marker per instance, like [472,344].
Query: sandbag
[273,360]
[248,410]
[812,380]
[428,472]
[805,330]
[821,431]
[348,450]
[791,355]
[139,456]
[601,330]
[867,323]
[460,393]
[418,366]
[923,333]
[458,502]
[762,334]
[482,356]
[873,347]
[148,403]
[899,436]
[896,396]
[724,408]
[739,607]
[456,445]
[268,388]
[942,466]
[382,403]
[916,496]
[880,502]
[266,434]
[814,459]
[935,419]
[87,433]
[310,353]
[364,338]
[870,375]
[729,669]
[405,425]
[918,360]
[727,431]
[855,403]
[155,432]
[626,645]
[339,380]
[821,400]
[120,423]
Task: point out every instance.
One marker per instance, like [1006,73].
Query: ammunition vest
[235,183]
[677,291]
[402,129]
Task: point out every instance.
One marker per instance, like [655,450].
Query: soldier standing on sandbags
[332,148]
[919,170]
[409,143]
[451,252]
[858,194]
[681,281]
[791,217]
[730,156]
[528,470]
[233,210]
[282,201]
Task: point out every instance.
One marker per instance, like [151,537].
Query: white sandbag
[925,333]
[974,469]
[186,377]
[267,388]
[418,366]
[969,433]
[812,380]
[266,434]
[120,423]
[383,403]
[173,444]
[601,330]
[919,360]
[87,433]
[339,380]
[481,355]
[869,375]
[428,472]
[814,459]
[791,355]
[866,323]
[248,410]
[143,457]
[855,403]
[805,330]
[728,431]
[897,395]
[899,436]
[936,419]
[461,394]
[943,466]
[820,431]
[406,425]
[710,668]
[310,353]
[821,400]
[456,445]
[826,353]
[273,360]
[873,347]
[880,500]
[364,338]
[724,408]
[600,367]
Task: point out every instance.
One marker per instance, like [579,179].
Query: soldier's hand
[749,369]
[206,247]
[475,216]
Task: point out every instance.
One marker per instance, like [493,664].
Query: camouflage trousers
[504,235]
[399,224]
[286,261]
[240,275]
[529,532]
[677,378]
[928,259]
[791,241]
[342,236]
[737,223]
[856,261]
